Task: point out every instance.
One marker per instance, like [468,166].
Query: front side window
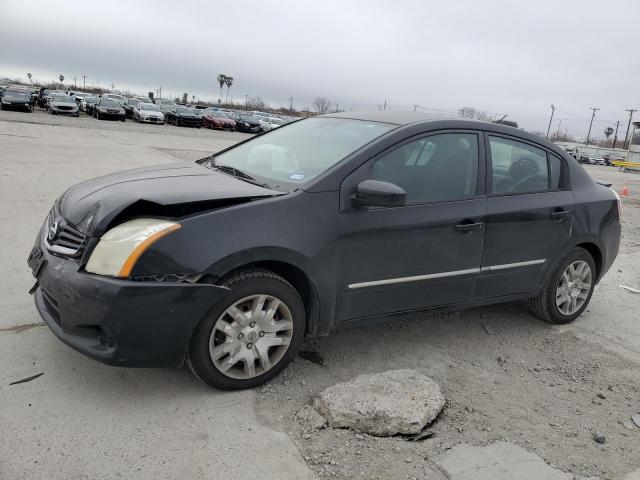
[521,168]
[438,168]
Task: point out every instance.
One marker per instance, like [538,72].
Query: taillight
[619,203]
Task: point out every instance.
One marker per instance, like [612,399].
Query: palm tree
[228,81]
[29,77]
[61,77]
[221,80]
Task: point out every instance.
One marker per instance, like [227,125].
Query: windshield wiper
[239,174]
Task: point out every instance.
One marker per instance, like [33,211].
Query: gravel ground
[507,376]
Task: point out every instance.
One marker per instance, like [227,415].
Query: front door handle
[558,215]
[467,227]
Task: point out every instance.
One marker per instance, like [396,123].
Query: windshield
[302,150]
[149,107]
[133,101]
[108,103]
[183,110]
[15,94]
[62,98]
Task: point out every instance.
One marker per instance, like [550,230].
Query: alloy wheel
[251,336]
[573,287]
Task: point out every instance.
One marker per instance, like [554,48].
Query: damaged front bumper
[118,322]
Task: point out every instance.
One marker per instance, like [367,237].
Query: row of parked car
[593,158]
[139,109]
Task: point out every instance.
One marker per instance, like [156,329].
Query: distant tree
[29,77]
[61,77]
[177,99]
[228,81]
[473,114]
[321,105]
[185,97]
[221,79]
[257,103]
[608,132]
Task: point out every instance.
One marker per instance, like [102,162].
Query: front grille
[64,108]
[63,239]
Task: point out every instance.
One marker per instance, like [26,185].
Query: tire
[245,284]
[98,116]
[177,122]
[123,119]
[545,305]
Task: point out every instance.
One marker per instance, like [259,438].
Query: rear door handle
[559,215]
[467,227]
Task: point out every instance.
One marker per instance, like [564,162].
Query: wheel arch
[596,253]
[291,266]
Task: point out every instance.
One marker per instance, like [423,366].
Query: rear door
[529,215]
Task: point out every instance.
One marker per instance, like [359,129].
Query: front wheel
[250,335]
[567,290]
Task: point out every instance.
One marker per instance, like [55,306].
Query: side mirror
[376,193]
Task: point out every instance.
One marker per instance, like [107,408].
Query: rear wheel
[250,335]
[567,290]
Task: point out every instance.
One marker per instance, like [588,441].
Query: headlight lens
[120,248]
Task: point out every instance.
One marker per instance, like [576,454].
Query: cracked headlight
[120,248]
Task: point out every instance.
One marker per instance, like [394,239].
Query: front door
[428,252]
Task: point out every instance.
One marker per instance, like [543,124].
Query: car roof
[393,117]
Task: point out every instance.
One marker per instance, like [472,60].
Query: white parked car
[114,96]
[269,123]
[148,112]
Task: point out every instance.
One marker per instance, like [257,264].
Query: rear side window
[521,168]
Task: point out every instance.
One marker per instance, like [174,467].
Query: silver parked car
[61,104]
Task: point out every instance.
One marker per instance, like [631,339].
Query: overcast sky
[502,56]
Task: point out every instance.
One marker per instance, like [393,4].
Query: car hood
[93,205]
[150,112]
[63,104]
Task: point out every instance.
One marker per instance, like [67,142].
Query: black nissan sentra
[229,263]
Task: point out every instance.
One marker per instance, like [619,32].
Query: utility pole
[415,106]
[290,104]
[84,82]
[246,102]
[75,85]
[630,110]
[591,123]
[385,106]
[113,87]
[615,137]
[553,109]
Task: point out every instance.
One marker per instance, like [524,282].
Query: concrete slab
[84,420]
[497,461]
